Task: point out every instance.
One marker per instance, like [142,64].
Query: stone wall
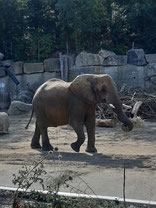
[135,70]
[30,76]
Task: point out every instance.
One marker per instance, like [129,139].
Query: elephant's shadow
[101,160]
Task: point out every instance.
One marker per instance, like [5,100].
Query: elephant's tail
[32,112]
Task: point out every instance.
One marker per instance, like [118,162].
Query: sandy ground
[137,149]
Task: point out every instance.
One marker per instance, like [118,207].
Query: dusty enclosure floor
[137,148]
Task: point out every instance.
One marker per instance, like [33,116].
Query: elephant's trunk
[127,124]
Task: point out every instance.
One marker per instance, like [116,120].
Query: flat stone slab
[31,68]
[52,64]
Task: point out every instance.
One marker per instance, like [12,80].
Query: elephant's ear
[83,88]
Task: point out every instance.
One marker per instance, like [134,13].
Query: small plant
[27,177]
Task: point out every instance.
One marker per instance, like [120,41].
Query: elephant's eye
[103,90]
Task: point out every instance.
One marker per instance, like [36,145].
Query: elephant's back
[51,88]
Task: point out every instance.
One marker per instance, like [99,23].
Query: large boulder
[106,53]
[115,61]
[17,108]
[88,59]
[151,58]
[15,68]
[18,67]
[52,64]
[4,123]
[136,57]
[24,96]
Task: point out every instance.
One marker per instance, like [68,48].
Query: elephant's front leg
[90,127]
[79,129]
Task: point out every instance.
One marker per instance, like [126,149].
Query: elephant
[58,103]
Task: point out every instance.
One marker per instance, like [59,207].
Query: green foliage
[34,29]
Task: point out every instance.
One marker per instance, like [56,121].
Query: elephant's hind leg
[36,137]
[46,146]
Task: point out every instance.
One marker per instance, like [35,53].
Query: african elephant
[57,103]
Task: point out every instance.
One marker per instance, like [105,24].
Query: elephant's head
[93,89]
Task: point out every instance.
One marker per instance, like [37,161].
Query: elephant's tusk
[112,106]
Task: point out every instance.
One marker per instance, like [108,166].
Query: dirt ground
[136,148]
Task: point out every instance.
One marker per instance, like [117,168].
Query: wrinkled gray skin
[57,103]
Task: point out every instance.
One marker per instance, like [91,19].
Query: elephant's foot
[75,147]
[47,147]
[90,150]
[35,146]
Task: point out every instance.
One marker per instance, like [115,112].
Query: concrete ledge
[75,195]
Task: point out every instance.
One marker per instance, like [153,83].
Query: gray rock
[4,123]
[17,108]
[88,59]
[9,62]
[18,67]
[151,58]
[152,68]
[136,57]
[52,64]
[23,96]
[2,73]
[150,76]
[1,56]
[105,53]
[32,68]
[115,61]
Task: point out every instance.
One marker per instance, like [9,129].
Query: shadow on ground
[98,159]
